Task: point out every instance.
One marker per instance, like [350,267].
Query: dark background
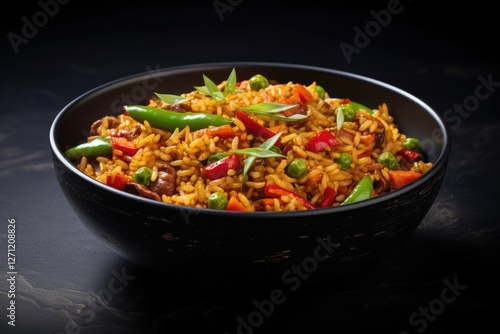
[437,54]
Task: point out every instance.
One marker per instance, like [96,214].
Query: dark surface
[68,281]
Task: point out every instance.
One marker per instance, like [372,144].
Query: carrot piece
[367,139]
[293,99]
[401,178]
[304,94]
[223,132]
[235,205]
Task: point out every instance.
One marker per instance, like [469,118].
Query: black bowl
[220,247]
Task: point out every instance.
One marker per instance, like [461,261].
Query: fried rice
[183,152]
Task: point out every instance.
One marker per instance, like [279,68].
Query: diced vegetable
[328,197]
[143,175]
[304,95]
[122,144]
[254,127]
[273,190]
[321,140]
[235,205]
[223,132]
[117,181]
[220,168]
[401,178]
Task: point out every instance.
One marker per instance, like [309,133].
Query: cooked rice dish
[269,146]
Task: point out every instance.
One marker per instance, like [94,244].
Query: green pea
[321,91]
[344,160]
[258,82]
[412,144]
[348,112]
[143,176]
[217,201]
[388,160]
[215,157]
[297,168]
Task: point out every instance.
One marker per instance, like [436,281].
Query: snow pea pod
[98,146]
[170,120]
[357,106]
[363,190]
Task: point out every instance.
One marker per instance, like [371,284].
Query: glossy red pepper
[321,140]
[118,181]
[273,190]
[328,197]
[255,127]
[122,144]
[409,155]
[219,169]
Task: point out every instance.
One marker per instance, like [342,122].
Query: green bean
[98,146]
[170,120]
[363,190]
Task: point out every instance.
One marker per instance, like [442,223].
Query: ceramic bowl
[216,247]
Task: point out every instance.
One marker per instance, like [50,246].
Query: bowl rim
[439,164]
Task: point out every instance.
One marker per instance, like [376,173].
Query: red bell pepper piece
[400,178]
[117,181]
[328,197]
[273,190]
[218,169]
[321,140]
[122,144]
[235,205]
[255,127]
[409,155]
